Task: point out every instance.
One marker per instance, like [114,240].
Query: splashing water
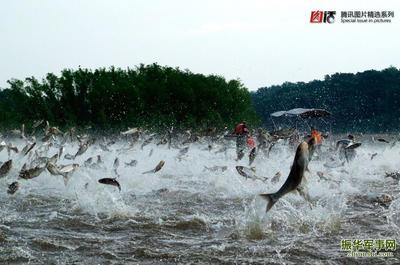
[186,213]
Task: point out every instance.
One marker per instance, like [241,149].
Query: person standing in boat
[241,132]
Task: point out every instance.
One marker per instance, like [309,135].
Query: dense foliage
[149,96]
[366,101]
[158,97]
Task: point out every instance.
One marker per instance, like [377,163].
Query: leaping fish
[252,156]
[28,148]
[13,188]
[249,173]
[110,181]
[82,149]
[157,168]
[5,168]
[31,172]
[296,174]
[130,131]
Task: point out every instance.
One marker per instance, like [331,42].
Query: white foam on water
[328,198]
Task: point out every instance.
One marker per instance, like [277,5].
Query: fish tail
[271,199]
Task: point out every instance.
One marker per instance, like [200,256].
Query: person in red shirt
[241,129]
[241,132]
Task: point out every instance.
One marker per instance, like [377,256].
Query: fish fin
[271,199]
[66,179]
[253,169]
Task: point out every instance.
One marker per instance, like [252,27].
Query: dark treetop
[151,96]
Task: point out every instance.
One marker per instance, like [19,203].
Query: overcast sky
[261,42]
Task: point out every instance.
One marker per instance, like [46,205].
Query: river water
[186,214]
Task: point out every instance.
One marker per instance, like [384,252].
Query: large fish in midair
[110,181]
[299,166]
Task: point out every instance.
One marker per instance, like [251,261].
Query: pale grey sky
[262,42]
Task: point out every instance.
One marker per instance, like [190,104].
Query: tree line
[150,96]
[158,97]
[365,102]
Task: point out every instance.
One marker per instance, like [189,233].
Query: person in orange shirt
[317,135]
[318,141]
